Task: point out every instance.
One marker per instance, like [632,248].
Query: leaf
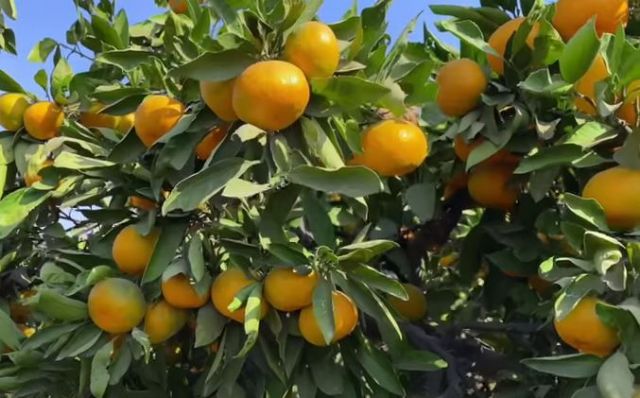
[209,326]
[73,161]
[421,199]
[105,32]
[614,379]
[469,33]
[542,83]
[9,332]
[49,334]
[57,306]
[239,188]
[9,8]
[320,145]
[365,252]
[418,361]
[323,309]
[349,92]
[377,280]
[573,366]
[218,66]
[82,339]
[548,157]
[40,52]
[99,370]
[317,220]
[591,134]
[165,250]
[7,84]
[192,191]
[354,181]
[16,207]
[588,210]
[571,296]
[126,60]
[378,366]
[196,257]
[579,53]
[252,315]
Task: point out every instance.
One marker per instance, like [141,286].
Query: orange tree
[237,199]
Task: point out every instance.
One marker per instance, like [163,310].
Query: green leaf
[7,84]
[9,8]
[320,145]
[365,252]
[379,281]
[104,32]
[542,83]
[379,367]
[196,257]
[548,157]
[573,366]
[190,192]
[323,309]
[469,33]
[57,306]
[591,134]
[170,239]
[239,188]
[588,210]
[421,199]
[317,220]
[49,334]
[16,207]
[571,296]
[126,60]
[41,51]
[81,340]
[349,92]
[218,66]
[252,315]
[60,81]
[614,378]
[73,161]
[579,53]
[418,361]
[354,181]
[9,332]
[209,326]
[100,370]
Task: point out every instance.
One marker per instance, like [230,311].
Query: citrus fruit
[490,186]
[345,316]
[162,321]
[449,260]
[271,95]
[628,111]
[43,120]
[224,289]
[116,305]
[288,291]
[156,116]
[211,141]
[132,252]
[313,47]
[126,123]
[94,119]
[583,330]
[178,6]
[460,86]
[393,148]
[586,86]
[12,108]
[500,38]
[180,293]
[142,203]
[219,98]
[415,307]
[617,190]
[571,15]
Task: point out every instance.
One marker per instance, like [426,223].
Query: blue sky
[40,18]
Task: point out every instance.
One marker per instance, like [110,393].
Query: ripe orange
[94,119]
[449,260]
[628,111]
[587,84]
[33,172]
[313,47]
[490,186]
[156,116]
[219,98]
[178,6]
[271,95]
[43,120]
[163,321]
[415,307]
[460,86]
[116,305]
[500,38]
[393,148]
[12,108]
[126,122]
[288,291]
[571,15]
[617,190]
[224,289]
[142,203]
[345,315]
[211,141]
[180,293]
[583,330]
[132,251]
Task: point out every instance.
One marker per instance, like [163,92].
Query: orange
[211,141]
[132,251]
[490,186]
[449,260]
[460,86]
[271,95]
[415,307]
[224,289]
[586,86]
[178,6]
[126,123]
[180,293]
[43,120]
[571,15]
[345,315]
[116,305]
[156,116]
[94,119]
[288,291]
[163,321]
[500,38]
[313,47]
[457,183]
[583,330]
[12,108]
[219,98]
[617,190]
[32,175]
[393,148]
[142,203]
[628,110]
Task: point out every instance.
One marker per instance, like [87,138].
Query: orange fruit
[32,175]
[345,315]
[489,185]
[178,6]
[224,289]
[162,321]
[132,251]
[628,110]
[43,120]
[288,291]
[142,203]
[571,15]
[126,123]
[583,330]
[449,260]
[219,98]
[617,190]
[116,305]
[393,148]
[271,95]
[180,293]
[156,116]
[415,307]
[211,141]
[500,38]
[94,119]
[457,183]
[313,47]
[586,86]
[12,108]
[460,86]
